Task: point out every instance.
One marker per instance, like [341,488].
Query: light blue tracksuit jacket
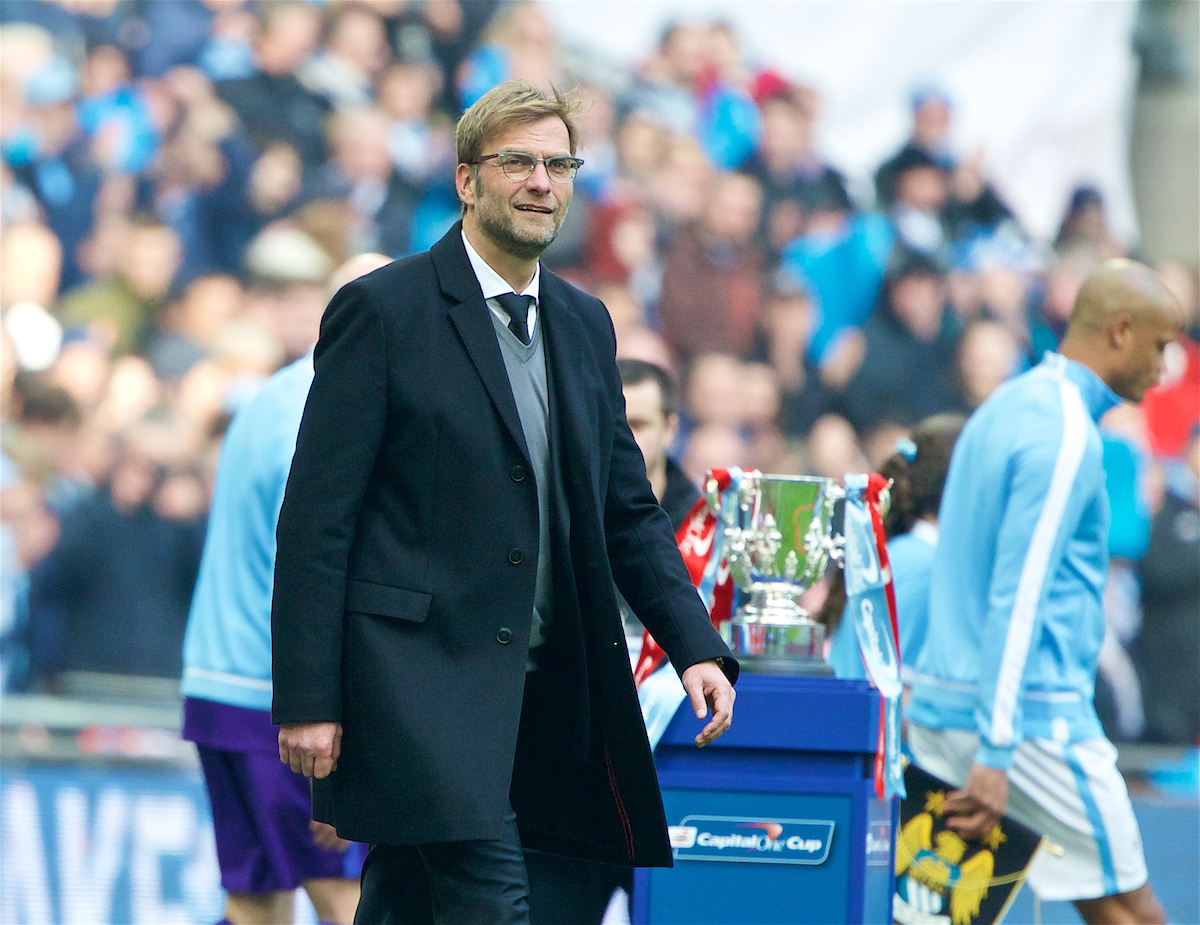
[1016,603]
[227,646]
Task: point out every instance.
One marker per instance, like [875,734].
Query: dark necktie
[517,307]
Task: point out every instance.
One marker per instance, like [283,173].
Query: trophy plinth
[778,541]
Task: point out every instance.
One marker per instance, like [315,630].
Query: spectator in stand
[833,448]
[646,345]
[30,264]
[288,272]
[112,595]
[441,35]
[974,209]
[626,312]
[912,329]
[638,260]
[1167,651]
[346,69]
[713,446]
[920,192]
[711,290]
[788,323]
[793,175]
[519,45]
[840,258]
[1003,298]
[598,149]
[82,368]
[177,34]
[123,308]
[761,403]
[272,103]
[361,171]
[28,531]
[45,442]
[115,113]
[417,145]
[1085,225]
[681,186]
[929,141]
[730,125]
[228,53]
[715,415]
[190,325]
[641,143]
[1172,407]
[209,183]
[1063,278]
[988,355]
[667,82]
[714,394]
[48,154]
[74,25]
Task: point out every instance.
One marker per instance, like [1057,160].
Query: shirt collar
[492,283]
[1097,396]
[924,531]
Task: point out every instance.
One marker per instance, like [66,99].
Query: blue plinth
[777,821]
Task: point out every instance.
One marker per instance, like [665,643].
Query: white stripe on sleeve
[1037,560]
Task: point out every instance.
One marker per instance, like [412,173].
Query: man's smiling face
[520,217]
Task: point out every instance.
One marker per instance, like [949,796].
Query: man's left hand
[707,687]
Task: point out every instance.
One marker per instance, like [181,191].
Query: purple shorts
[261,811]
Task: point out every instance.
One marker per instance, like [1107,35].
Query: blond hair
[511,104]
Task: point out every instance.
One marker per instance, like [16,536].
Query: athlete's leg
[334,898]
[1137,907]
[259,908]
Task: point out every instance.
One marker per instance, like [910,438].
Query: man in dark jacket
[906,373]
[652,416]
[448,660]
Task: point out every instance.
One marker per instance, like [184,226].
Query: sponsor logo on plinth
[754,840]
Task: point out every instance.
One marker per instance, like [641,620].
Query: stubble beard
[499,227]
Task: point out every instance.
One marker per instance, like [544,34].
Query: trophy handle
[712,494]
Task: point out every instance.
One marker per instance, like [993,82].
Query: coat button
[515,556]
[517,473]
[504,635]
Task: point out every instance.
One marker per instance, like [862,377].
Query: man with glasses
[449,661]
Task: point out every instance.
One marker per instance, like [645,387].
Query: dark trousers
[568,891]
[483,883]
[447,883]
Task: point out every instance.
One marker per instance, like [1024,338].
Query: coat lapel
[563,336]
[472,318]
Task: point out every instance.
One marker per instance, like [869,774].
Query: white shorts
[1070,792]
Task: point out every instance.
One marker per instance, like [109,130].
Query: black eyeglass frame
[573,164]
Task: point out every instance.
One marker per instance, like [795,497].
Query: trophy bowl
[778,541]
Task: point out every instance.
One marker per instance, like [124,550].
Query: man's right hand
[310,749]
[974,810]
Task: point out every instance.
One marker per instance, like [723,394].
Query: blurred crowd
[180,177]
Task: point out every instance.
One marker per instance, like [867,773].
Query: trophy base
[785,665]
[777,642]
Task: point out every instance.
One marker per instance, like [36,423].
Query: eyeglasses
[518,166]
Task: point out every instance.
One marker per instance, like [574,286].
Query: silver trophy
[778,540]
